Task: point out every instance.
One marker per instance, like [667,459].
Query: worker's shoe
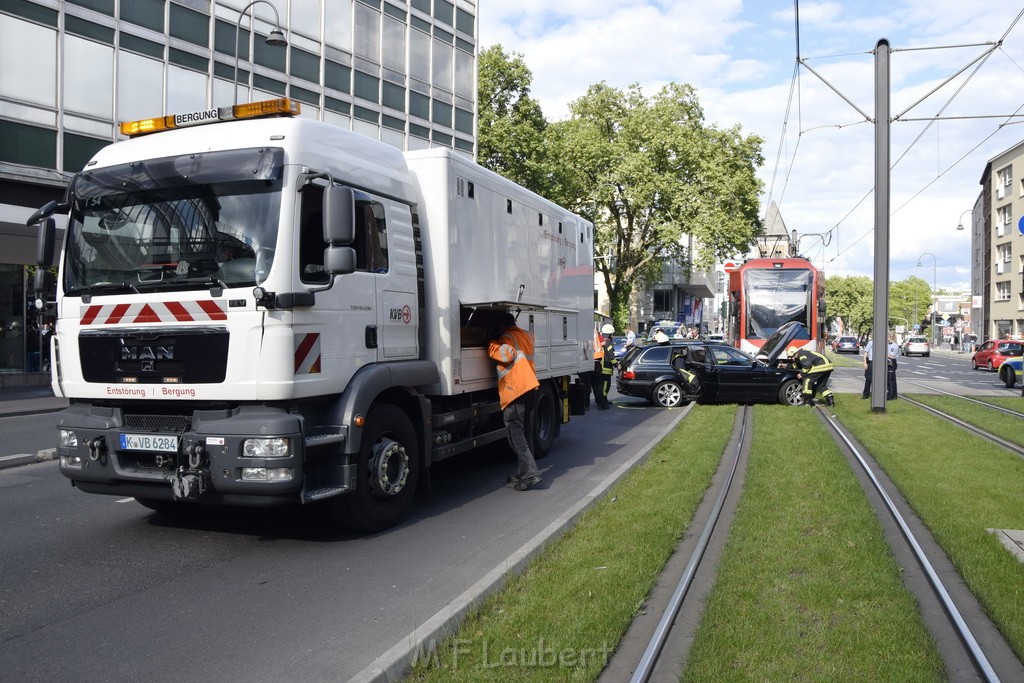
[808,401]
[830,401]
[527,483]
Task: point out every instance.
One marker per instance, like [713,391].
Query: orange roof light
[251,110]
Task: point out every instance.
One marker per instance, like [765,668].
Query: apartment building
[997,247]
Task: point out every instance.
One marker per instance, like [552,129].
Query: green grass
[1002,425]
[807,588]
[845,360]
[563,616]
[960,485]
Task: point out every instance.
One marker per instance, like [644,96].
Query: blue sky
[819,150]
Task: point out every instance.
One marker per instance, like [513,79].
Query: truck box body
[207,295]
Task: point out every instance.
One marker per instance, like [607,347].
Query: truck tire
[388,467]
[789,393]
[542,421]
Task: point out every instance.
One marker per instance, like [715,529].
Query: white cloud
[740,57]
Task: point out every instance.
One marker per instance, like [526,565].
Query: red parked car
[992,353]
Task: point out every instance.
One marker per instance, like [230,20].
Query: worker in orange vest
[604,363]
[511,347]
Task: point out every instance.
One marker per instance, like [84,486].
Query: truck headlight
[267,473]
[67,438]
[276,447]
[71,461]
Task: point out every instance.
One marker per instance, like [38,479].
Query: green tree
[852,299]
[510,135]
[649,172]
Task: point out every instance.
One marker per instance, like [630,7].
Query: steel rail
[657,642]
[962,629]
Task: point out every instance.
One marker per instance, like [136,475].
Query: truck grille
[172,424]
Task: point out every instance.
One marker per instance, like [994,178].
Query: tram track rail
[929,560]
[1008,445]
[969,643]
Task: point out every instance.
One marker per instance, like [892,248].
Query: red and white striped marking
[154,312]
[307,354]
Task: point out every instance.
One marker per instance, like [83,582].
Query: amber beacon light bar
[252,110]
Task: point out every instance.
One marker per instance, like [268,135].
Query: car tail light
[628,374]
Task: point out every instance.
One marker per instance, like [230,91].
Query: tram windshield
[775,297]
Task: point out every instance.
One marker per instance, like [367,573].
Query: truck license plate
[149,442]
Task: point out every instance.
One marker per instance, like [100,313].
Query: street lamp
[960,225]
[934,287]
[275,39]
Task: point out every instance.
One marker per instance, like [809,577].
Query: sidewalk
[15,401]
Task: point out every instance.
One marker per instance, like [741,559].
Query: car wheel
[789,393]
[991,368]
[667,395]
[1009,377]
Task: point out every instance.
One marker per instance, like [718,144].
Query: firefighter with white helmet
[815,369]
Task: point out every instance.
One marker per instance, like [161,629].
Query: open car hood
[776,344]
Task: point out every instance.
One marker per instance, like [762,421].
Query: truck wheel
[388,466]
[789,393]
[542,421]
[668,395]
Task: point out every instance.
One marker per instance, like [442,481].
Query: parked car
[620,347]
[676,331]
[916,345]
[994,352]
[1011,371]
[726,374]
[845,345]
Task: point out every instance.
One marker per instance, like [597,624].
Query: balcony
[701,284]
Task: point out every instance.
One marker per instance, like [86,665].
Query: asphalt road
[96,587]
[99,587]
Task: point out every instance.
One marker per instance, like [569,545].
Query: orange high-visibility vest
[513,351]
[598,346]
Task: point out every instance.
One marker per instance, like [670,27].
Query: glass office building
[399,71]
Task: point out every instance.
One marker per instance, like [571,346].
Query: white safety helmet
[660,337]
[608,329]
[792,351]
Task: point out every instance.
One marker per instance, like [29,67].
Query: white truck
[254,308]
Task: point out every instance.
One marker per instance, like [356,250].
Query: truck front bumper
[250,455]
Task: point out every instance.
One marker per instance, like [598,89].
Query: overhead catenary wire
[795,97]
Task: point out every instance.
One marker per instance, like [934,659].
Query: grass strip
[808,588]
[561,618]
[960,485]
[1002,425]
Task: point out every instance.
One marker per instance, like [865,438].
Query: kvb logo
[404,314]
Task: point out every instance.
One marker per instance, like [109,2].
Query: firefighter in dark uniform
[815,369]
[691,384]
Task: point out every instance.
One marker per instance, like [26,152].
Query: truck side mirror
[339,215]
[44,211]
[42,281]
[45,242]
[339,260]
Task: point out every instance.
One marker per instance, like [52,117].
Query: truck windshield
[184,222]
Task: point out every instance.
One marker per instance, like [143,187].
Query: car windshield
[178,223]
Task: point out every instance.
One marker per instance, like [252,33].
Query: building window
[393,96]
[305,17]
[104,6]
[146,13]
[78,149]
[140,86]
[367,87]
[1004,182]
[464,21]
[37,82]
[305,65]
[419,56]
[1002,291]
[88,77]
[28,145]
[367,33]
[337,76]
[188,25]
[441,68]
[419,105]
[393,54]
[338,24]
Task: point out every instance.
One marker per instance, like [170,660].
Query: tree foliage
[852,300]
[657,182]
[651,175]
[510,136]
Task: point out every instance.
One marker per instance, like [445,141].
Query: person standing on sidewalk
[511,347]
[868,351]
[892,352]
